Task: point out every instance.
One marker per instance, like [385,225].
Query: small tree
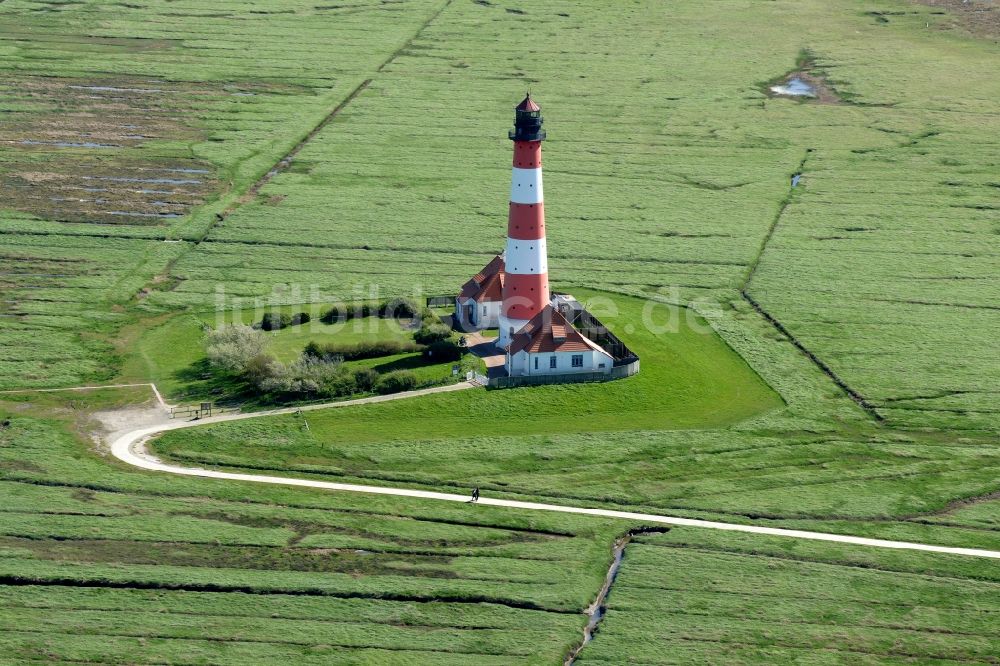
[231,348]
[261,367]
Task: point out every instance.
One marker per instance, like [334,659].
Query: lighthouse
[526,272]
[538,338]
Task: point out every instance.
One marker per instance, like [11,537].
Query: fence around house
[592,329]
[440,301]
[617,372]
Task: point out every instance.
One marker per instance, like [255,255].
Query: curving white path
[128,448]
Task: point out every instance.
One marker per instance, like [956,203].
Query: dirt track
[128,447]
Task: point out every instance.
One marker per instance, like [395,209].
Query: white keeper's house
[549,345]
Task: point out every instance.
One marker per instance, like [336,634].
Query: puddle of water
[155,181]
[794,87]
[795,179]
[114,89]
[67,144]
[133,214]
[76,200]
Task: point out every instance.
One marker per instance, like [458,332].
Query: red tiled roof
[527,104]
[548,331]
[495,266]
[487,284]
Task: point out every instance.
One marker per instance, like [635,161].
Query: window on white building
[552,362]
[536,363]
[577,360]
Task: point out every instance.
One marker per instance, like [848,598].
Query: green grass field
[696,597]
[143,187]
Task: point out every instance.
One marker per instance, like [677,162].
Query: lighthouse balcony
[526,134]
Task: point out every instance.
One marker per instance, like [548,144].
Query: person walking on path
[475,494]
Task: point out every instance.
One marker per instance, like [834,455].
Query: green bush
[274,321]
[443,350]
[396,308]
[342,384]
[332,316]
[360,350]
[260,368]
[431,332]
[394,382]
[399,308]
[365,379]
[305,376]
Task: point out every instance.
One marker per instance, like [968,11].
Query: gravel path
[128,447]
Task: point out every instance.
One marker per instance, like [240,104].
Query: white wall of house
[479,315]
[523,364]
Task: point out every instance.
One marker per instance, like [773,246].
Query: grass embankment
[693,596]
[689,378]
[99,563]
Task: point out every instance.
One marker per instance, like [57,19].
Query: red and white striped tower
[526,273]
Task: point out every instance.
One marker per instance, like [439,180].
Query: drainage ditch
[595,612]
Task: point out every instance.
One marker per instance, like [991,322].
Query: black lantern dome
[527,121]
